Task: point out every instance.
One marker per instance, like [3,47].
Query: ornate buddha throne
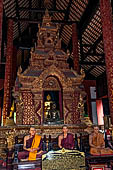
[48,80]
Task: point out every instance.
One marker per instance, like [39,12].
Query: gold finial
[46,18]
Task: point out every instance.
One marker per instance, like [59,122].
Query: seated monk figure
[66,140]
[97,143]
[32,146]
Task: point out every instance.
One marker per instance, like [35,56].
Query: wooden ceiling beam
[16,19]
[30,6]
[92,63]
[40,3]
[41,10]
[82,25]
[66,17]
[89,70]
[86,45]
[89,76]
[87,15]
[92,47]
[54,4]
[85,20]
[38,14]
[93,54]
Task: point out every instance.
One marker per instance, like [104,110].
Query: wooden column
[75,47]
[14,65]
[1,17]
[8,72]
[107,29]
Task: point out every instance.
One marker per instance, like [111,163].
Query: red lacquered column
[8,72]
[75,47]
[107,29]
[1,19]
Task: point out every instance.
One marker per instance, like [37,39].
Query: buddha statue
[54,113]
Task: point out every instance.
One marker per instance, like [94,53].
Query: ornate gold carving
[19,71]
[81,106]
[83,119]
[51,71]
[51,83]
[48,70]
[10,138]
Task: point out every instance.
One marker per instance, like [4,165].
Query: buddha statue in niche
[53,113]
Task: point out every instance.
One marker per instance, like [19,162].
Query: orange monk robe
[98,141]
[35,145]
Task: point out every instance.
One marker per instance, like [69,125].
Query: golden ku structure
[47,94]
[48,80]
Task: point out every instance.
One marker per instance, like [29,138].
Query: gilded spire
[46,19]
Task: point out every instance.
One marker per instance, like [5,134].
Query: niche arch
[52,93]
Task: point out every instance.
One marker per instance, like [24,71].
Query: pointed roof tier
[47,58]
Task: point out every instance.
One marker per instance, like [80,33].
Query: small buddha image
[51,109]
[47,107]
[54,113]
